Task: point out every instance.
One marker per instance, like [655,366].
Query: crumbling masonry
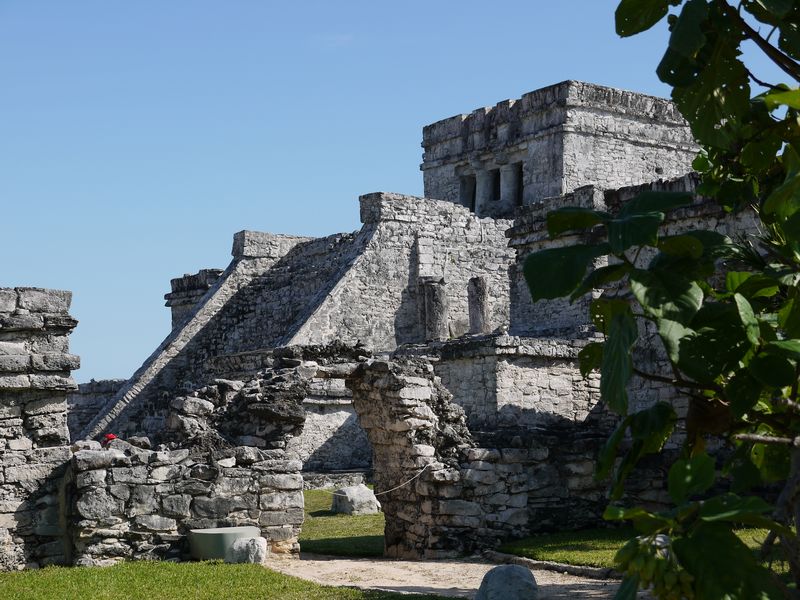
[410,346]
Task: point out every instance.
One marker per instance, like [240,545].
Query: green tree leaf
[787,348]
[743,391]
[634,230]
[710,552]
[635,16]
[600,277]
[772,370]
[672,333]
[555,272]
[574,218]
[681,245]
[653,426]
[783,98]
[648,202]
[628,588]
[608,452]
[617,367]
[603,310]
[690,477]
[730,507]
[590,358]
[666,295]
[748,318]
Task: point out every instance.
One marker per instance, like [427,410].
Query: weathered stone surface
[87,460]
[248,550]
[355,500]
[97,504]
[46,301]
[508,582]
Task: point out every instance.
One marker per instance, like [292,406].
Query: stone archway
[445,497]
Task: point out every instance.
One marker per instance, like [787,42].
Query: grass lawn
[340,535]
[593,547]
[170,581]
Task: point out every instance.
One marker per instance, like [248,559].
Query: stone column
[509,188]
[434,308]
[478,300]
[35,367]
[483,192]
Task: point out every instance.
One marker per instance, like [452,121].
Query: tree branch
[786,63]
[767,439]
[677,382]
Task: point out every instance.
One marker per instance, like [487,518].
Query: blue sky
[137,137]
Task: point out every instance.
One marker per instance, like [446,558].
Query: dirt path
[455,578]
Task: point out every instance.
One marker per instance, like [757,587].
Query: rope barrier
[397,487]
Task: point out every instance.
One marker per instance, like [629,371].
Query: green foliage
[727,312]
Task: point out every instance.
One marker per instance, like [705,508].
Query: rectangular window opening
[518,185]
[495,175]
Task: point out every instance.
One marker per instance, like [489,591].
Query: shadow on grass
[358,546]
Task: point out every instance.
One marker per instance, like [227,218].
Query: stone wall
[441,496]
[126,502]
[35,366]
[550,142]
[503,381]
[378,302]
[187,292]
[85,403]
[253,255]
[355,288]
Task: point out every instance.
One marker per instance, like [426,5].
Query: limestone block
[282,481]
[193,406]
[14,363]
[8,300]
[508,582]
[247,550]
[20,444]
[48,301]
[32,472]
[55,361]
[57,404]
[97,503]
[355,500]
[95,478]
[156,522]
[87,460]
[176,505]
[281,500]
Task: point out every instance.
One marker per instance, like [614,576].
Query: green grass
[168,581]
[590,547]
[340,535]
[594,547]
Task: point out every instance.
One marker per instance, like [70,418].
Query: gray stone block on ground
[508,582]
[355,500]
[247,550]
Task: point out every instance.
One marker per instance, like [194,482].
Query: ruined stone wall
[35,366]
[378,302]
[548,318]
[126,502]
[441,496]
[254,253]
[187,292]
[471,490]
[356,288]
[563,136]
[85,403]
[503,381]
